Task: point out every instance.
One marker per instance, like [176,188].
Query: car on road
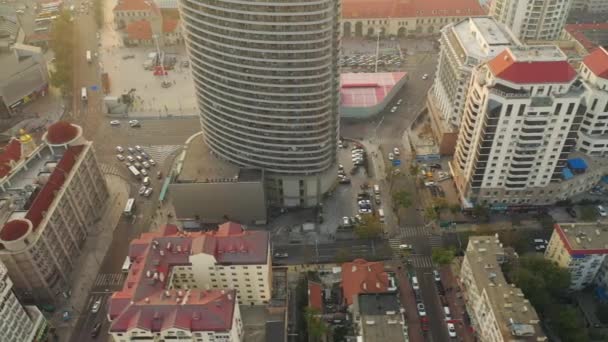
[571,211]
[120,157]
[146,164]
[343,180]
[394,109]
[119,149]
[152,162]
[96,306]
[115,123]
[396,151]
[143,172]
[405,246]
[415,284]
[148,192]
[130,159]
[602,211]
[138,148]
[96,330]
[281,255]
[346,221]
[421,309]
[399,101]
[451,330]
[142,190]
[447,313]
[159,175]
[146,181]
[128,57]
[131,150]
[425,76]
[436,276]
[134,123]
[424,323]
[139,158]
[540,248]
[391,156]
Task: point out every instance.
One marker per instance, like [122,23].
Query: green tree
[602,312]
[403,199]
[343,255]
[440,203]
[316,327]
[370,227]
[442,256]
[431,213]
[455,208]
[588,213]
[62,38]
[414,170]
[567,323]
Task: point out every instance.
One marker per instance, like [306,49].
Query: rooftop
[514,313]
[136,5]
[583,238]
[198,164]
[480,38]
[589,35]
[315,295]
[533,64]
[597,62]
[139,30]
[367,89]
[361,276]
[354,9]
[381,317]
[169,25]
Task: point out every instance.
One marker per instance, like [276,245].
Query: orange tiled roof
[139,30]
[169,25]
[353,9]
[361,276]
[597,62]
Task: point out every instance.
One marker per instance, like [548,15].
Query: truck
[89,58]
[134,171]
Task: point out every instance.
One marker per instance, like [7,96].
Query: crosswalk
[160,152]
[110,169]
[435,241]
[406,232]
[109,279]
[394,243]
[421,261]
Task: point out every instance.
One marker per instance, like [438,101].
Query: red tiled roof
[169,25]
[315,296]
[361,276]
[578,32]
[136,5]
[139,30]
[13,230]
[506,67]
[231,244]
[61,132]
[353,9]
[597,62]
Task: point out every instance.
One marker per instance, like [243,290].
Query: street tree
[414,170]
[403,199]
[568,323]
[442,256]
[431,213]
[62,45]
[317,329]
[343,255]
[370,227]
[588,213]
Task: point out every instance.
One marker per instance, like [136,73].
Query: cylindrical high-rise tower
[267,81]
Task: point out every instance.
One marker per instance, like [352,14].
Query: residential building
[498,310]
[379,318]
[18,323]
[581,248]
[142,23]
[520,123]
[226,259]
[360,277]
[532,19]
[361,18]
[586,36]
[50,195]
[463,46]
[267,82]
[208,190]
[593,133]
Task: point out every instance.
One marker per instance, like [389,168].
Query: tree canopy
[402,199]
[442,256]
[370,227]
[62,45]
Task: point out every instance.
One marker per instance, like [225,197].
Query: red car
[424,323]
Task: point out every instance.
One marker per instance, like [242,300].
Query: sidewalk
[94,251]
[454,297]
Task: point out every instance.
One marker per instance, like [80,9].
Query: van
[381,214]
[446,312]
[376,189]
[83,93]
[146,181]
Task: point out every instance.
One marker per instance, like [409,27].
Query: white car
[425,76]
[394,109]
[146,181]
[120,157]
[415,284]
[142,190]
[391,156]
[115,123]
[451,330]
[346,221]
[405,246]
[130,159]
[421,309]
[396,151]
[131,150]
[96,306]
[143,172]
[436,276]
[399,102]
[138,148]
[148,192]
[602,211]
[119,149]
[146,165]
[134,123]
[152,162]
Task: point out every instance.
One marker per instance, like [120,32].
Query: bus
[83,94]
[130,207]
[134,171]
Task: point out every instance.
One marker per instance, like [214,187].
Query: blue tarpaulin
[577,164]
[566,173]
[605,179]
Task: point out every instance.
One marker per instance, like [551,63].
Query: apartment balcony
[507,92]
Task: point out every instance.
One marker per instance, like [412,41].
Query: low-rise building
[586,36]
[593,133]
[498,310]
[18,323]
[50,195]
[142,23]
[362,18]
[379,318]
[361,276]
[226,259]
[582,249]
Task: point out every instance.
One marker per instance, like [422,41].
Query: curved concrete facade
[267,82]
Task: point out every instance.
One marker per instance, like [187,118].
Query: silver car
[148,192]
[142,190]
[146,164]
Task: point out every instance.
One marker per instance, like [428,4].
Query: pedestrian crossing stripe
[160,152]
[414,231]
[421,261]
[109,279]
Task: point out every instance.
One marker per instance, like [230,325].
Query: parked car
[142,190]
[152,162]
[405,246]
[540,248]
[146,181]
[451,330]
[96,306]
[602,211]
[115,123]
[399,101]
[571,211]
[120,157]
[421,309]
[119,149]
[391,156]
[130,159]
[394,109]
[96,330]
[436,276]
[280,255]
[425,76]
[134,123]
[159,175]
[415,284]
[138,148]
[396,151]
[346,221]
[143,172]
[131,150]
[148,192]
[146,164]
[139,158]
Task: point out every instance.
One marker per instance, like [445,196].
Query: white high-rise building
[267,81]
[465,45]
[593,134]
[532,19]
[519,125]
[18,323]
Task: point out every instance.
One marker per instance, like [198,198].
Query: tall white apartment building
[18,323]
[520,123]
[267,82]
[532,19]
[499,311]
[581,248]
[50,195]
[463,46]
[593,133]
